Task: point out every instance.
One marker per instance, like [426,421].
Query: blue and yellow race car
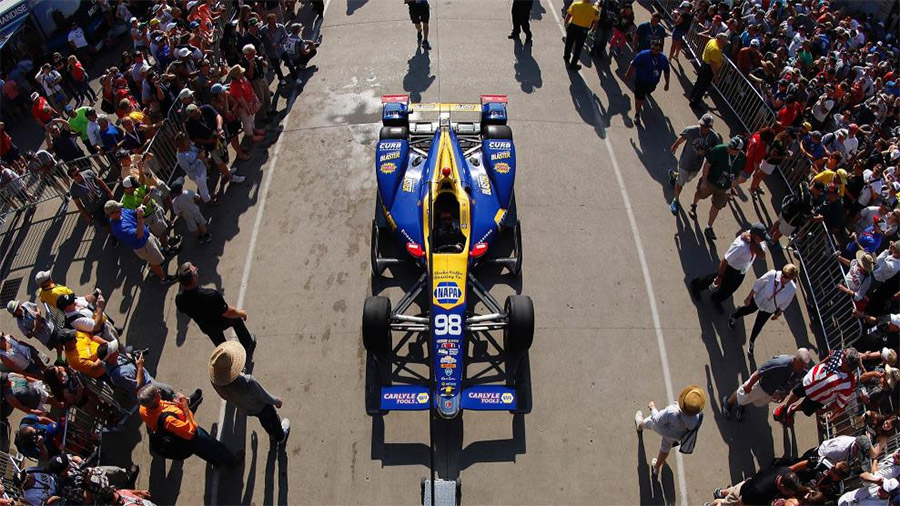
[445,199]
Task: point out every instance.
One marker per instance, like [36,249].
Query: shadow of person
[251,473]
[537,10]
[277,457]
[418,76]
[164,487]
[353,5]
[586,103]
[528,73]
[651,489]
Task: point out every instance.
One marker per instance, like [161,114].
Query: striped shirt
[827,384]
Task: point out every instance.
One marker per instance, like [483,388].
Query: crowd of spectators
[207,79]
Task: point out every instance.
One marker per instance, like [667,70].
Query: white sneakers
[286,427]
[639,421]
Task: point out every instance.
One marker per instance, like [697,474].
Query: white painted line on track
[248,261]
[645,271]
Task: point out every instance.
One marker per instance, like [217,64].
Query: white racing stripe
[645,271]
[248,261]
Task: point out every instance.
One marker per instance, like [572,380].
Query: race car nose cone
[448,407]
[445,172]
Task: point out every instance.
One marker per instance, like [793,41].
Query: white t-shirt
[770,295]
[76,36]
[184,203]
[739,255]
[886,266]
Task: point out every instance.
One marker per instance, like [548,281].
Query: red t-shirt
[756,150]
[78,72]
[788,114]
[41,110]
[240,88]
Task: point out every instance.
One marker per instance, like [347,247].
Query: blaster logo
[502,168]
[390,145]
[393,155]
[499,145]
[447,293]
[501,155]
[485,183]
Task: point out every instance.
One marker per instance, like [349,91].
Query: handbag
[687,443]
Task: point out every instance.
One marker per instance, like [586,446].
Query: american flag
[833,363]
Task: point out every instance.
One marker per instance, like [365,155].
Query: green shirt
[79,123]
[723,168]
[133,200]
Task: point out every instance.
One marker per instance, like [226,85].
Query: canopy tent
[13,14]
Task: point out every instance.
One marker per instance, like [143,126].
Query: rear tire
[519,332]
[495,132]
[376,325]
[393,132]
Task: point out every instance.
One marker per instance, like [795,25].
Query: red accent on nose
[415,250]
[478,250]
[445,171]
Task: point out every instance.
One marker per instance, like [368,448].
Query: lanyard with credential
[775,290]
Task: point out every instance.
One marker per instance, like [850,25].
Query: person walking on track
[723,164]
[677,423]
[772,293]
[581,17]
[647,66]
[711,63]
[745,248]
[698,140]
[521,15]
[419,14]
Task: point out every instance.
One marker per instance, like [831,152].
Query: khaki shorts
[757,396]
[767,167]
[156,222]
[719,197]
[151,253]
[192,218]
[733,497]
[784,227]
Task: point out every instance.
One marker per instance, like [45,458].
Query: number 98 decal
[447,324]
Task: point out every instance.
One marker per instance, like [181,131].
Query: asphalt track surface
[591,190]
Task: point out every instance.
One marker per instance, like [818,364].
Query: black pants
[521,17]
[271,422]
[731,281]
[601,38]
[704,81]
[275,61]
[880,296]
[575,37]
[217,334]
[761,318]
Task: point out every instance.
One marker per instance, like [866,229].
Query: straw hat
[226,363]
[236,70]
[866,262]
[691,400]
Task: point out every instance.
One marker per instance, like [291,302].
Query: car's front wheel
[519,332]
[376,325]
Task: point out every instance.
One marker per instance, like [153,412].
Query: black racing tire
[393,132]
[519,332]
[496,132]
[517,271]
[376,325]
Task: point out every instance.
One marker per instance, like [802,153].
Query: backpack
[167,445]
[687,443]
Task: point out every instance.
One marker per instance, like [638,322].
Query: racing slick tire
[494,132]
[519,332]
[376,325]
[393,132]
[517,270]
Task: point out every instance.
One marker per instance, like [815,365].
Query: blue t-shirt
[50,431]
[110,137]
[648,68]
[125,230]
[647,33]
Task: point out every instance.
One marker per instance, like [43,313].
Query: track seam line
[648,284]
[248,261]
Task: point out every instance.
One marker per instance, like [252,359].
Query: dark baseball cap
[759,230]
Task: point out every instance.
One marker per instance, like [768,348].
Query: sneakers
[731,323]
[513,35]
[726,409]
[425,45]
[673,207]
[195,399]
[750,349]
[653,469]
[419,37]
[692,211]
[575,66]
[639,421]
[710,233]
[175,240]
[718,494]
[637,119]
[286,427]
[238,179]
[673,177]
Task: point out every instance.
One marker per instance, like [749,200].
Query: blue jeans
[212,450]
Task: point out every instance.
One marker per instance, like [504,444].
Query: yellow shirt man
[51,293]
[82,355]
[712,53]
[583,14]
[828,176]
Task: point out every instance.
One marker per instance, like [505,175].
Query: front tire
[376,325]
[519,332]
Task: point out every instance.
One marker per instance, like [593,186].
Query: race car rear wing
[443,107]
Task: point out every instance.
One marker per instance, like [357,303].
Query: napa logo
[447,294]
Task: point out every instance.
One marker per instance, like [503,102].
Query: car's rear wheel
[393,132]
[519,332]
[376,325]
[495,132]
